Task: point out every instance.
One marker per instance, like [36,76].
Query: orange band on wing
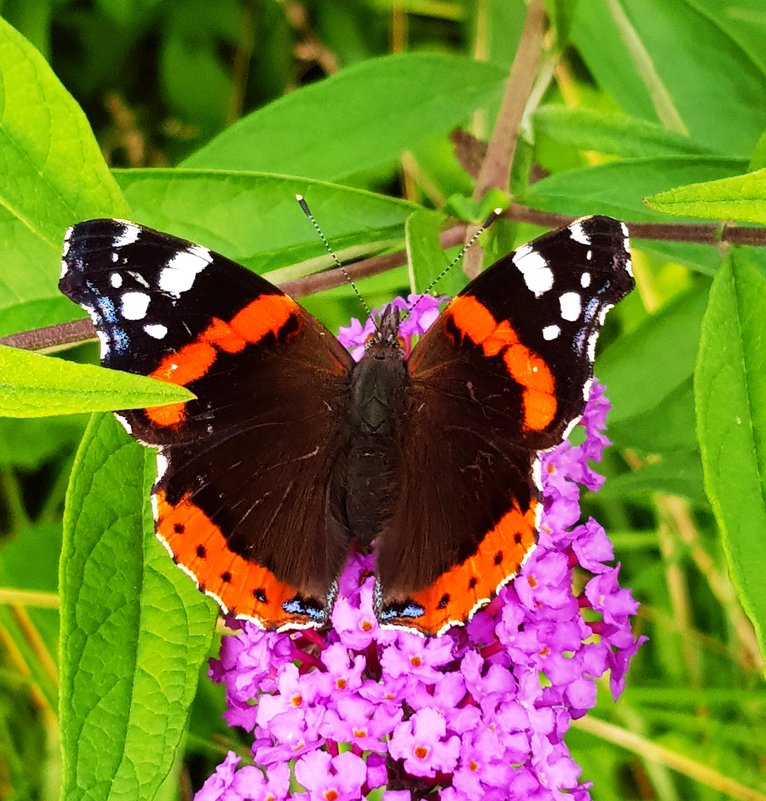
[241,587]
[459,592]
[527,368]
[266,314]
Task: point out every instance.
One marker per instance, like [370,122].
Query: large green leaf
[730,394]
[649,57]
[254,218]
[52,173]
[134,631]
[617,134]
[363,117]
[32,385]
[742,198]
[649,382]
[617,188]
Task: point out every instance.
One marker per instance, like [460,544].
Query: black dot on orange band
[444,600]
[473,582]
[517,538]
[260,595]
[226,577]
[179,528]
[498,558]
[201,552]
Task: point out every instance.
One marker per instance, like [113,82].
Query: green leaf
[134,630]
[649,57]
[676,474]
[254,219]
[742,198]
[363,117]
[614,133]
[425,256]
[730,394]
[32,385]
[641,369]
[52,173]
[30,443]
[665,428]
[617,188]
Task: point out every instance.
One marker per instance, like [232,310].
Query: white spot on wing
[64,268]
[538,276]
[134,305]
[156,330]
[570,306]
[138,278]
[162,464]
[182,269]
[585,280]
[115,279]
[127,236]
[578,233]
[551,332]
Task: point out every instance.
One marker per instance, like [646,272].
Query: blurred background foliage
[678,97]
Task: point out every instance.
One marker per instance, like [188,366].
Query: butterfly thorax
[378,404]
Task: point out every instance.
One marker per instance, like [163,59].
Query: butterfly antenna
[307,211]
[479,231]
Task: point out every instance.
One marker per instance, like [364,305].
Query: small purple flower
[423,745]
[338,778]
[480,712]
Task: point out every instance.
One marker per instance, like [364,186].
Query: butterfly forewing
[242,493]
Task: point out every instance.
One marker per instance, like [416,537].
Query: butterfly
[292,454]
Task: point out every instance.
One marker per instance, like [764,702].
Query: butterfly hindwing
[501,375]
[243,470]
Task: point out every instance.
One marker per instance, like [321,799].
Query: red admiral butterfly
[291,452]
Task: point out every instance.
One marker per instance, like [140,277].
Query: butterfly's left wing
[243,490]
[500,376]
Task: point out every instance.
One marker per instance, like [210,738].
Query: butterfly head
[386,338]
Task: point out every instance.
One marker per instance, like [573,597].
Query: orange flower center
[421,751]
[296,700]
[331,795]
[416,661]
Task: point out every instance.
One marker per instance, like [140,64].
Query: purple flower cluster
[480,712]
